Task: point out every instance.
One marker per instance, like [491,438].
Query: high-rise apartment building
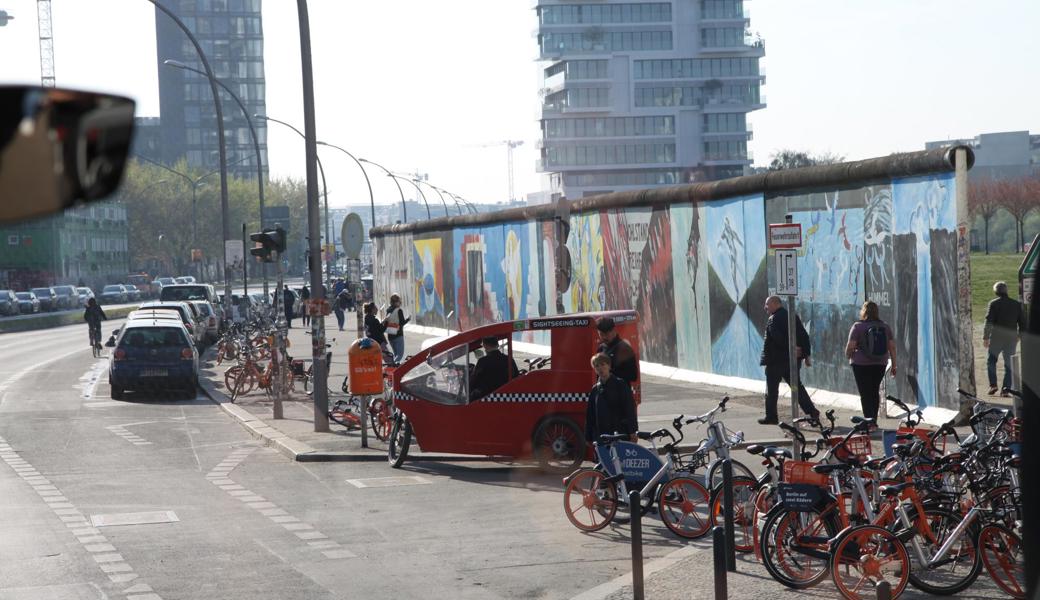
[642,94]
[231,35]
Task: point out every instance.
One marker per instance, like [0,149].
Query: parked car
[195,291]
[153,353]
[210,322]
[48,298]
[28,303]
[161,282]
[189,316]
[8,303]
[67,297]
[132,293]
[186,279]
[113,294]
[143,283]
[85,294]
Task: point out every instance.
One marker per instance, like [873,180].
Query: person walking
[1005,322]
[305,297]
[342,302]
[395,322]
[611,408]
[622,356]
[776,359]
[288,299]
[870,347]
[374,328]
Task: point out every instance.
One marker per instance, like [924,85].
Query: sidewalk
[294,435]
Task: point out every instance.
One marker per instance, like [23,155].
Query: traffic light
[266,242]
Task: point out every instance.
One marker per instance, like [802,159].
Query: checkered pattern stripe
[522,398]
[399,395]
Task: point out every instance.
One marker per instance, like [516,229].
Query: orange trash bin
[365,363]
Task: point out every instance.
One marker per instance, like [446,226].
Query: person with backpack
[775,358]
[395,322]
[342,303]
[870,348]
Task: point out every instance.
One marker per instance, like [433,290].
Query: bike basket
[297,368]
[796,471]
[798,496]
[888,437]
[858,446]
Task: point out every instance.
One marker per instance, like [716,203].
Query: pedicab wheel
[744,496]
[589,501]
[400,440]
[865,556]
[683,503]
[559,445]
[1001,551]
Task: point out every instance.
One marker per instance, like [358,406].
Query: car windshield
[112,288]
[184,293]
[153,337]
[64,290]
[23,295]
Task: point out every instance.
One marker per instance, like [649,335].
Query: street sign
[1027,291]
[234,256]
[786,272]
[1027,271]
[275,215]
[353,235]
[785,235]
[354,271]
[196,254]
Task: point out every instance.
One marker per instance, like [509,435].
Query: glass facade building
[231,35]
[641,94]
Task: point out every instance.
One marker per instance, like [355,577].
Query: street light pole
[256,147]
[371,197]
[428,216]
[224,208]
[434,188]
[404,207]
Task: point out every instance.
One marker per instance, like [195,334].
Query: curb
[48,321]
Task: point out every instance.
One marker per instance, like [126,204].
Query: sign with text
[786,272]
[275,215]
[1027,291]
[785,235]
[234,255]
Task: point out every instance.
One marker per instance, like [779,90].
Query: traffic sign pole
[786,238]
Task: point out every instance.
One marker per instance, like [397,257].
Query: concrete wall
[694,262]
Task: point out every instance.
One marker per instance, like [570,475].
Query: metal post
[279,342]
[792,357]
[718,546]
[634,502]
[245,263]
[727,514]
[884,591]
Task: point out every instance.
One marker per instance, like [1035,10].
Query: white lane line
[89,381]
[126,434]
[305,532]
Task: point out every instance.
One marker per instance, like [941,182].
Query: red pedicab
[538,414]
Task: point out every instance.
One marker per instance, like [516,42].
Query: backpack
[343,300]
[875,340]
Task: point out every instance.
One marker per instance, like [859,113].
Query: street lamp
[404,207]
[439,193]
[224,208]
[411,181]
[371,197]
[256,145]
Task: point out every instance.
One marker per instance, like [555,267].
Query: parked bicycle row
[931,510]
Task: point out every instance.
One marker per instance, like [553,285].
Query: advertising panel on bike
[638,463]
[799,496]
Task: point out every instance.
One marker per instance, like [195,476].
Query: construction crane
[510,146]
[43,15]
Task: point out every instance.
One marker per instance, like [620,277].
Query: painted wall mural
[698,275]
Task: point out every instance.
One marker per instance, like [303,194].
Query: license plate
[154,373]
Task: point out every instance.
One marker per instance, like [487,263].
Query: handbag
[393,325]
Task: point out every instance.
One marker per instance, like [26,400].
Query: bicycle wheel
[400,440]
[795,545]
[239,380]
[1001,551]
[381,419]
[682,503]
[343,413]
[713,478]
[589,501]
[744,494]
[961,565]
[865,556]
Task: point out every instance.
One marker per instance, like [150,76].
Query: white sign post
[234,256]
[786,239]
[786,272]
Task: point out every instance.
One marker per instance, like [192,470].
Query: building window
[586,69]
[723,37]
[599,41]
[725,150]
[725,123]
[695,68]
[571,14]
[562,156]
[699,95]
[722,9]
[608,127]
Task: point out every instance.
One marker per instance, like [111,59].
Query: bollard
[884,591]
[718,545]
[727,515]
[635,508]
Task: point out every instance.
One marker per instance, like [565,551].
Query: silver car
[210,322]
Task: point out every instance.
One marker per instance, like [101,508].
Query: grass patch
[987,270]
[47,321]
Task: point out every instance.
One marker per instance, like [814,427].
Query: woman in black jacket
[374,328]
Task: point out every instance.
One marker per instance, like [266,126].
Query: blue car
[153,354]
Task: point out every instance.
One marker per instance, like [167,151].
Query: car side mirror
[59,147]
[111,343]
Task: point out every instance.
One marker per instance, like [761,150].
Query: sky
[434,86]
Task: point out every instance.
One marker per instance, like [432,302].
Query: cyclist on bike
[93,315]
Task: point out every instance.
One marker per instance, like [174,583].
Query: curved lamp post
[453,199]
[404,207]
[411,181]
[371,197]
[176,64]
[224,210]
[438,193]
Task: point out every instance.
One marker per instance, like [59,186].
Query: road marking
[126,434]
[106,557]
[89,380]
[305,532]
[382,482]
[106,404]
[141,518]
[14,378]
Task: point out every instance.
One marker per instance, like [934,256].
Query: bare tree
[984,202]
[794,159]
[1019,197]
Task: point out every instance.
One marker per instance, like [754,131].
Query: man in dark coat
[288,299]
[492,370]
[1005,322]
[622,356]
[611,408]
[776,359]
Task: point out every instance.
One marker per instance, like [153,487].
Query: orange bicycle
[242,379]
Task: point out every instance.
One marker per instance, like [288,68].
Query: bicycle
[95,339]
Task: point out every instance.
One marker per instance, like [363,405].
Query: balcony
[750,47]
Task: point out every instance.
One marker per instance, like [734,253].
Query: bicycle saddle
[608,438]
[774,452]
[828,469]
[895,489]
[755,449]
[875,464]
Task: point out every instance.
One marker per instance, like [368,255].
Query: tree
[794,159]
[984,202]
[1019,197]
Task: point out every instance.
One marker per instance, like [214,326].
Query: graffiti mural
[690,273]
[431,259]
[655,284]
[585,243]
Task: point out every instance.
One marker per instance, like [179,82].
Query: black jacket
[1005,320]
[491,373]
[611,409]
[622,359]
[94,315]
[374,329]
[774,349]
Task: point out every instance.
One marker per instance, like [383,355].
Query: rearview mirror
[59,147]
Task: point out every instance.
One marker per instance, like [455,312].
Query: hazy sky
[415,84]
